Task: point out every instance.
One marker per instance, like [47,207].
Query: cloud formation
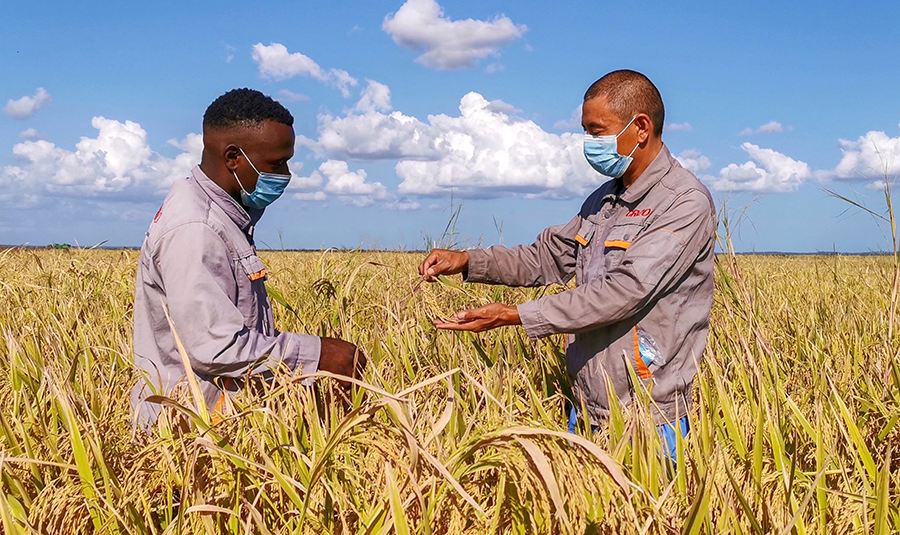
[693,161]
[375,97]
[275,62]
[873,155]
[339,181]
[771,127]
[484,151]
[25,107]
[448,44]
[116,164]
[766,171]
[678,127]
[29,133]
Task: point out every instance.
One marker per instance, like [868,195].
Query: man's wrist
[511,315]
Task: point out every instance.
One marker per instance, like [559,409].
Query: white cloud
[499,106]
[871,156]
[299,182]
[343,81]
[116,164]
[292,96]
[767,171]
[229,53]
[340,181]
[374,135]
[25,107]
[29,133]
[771,127]
[448,44]
[275,62]
[375,97]
[343,181]
[485,150]
[679,127]
[694,161]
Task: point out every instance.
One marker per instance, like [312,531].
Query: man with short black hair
[641,250]
[199,269]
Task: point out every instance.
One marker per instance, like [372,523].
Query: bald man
[199,276]
[641,250]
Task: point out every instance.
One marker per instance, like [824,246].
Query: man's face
[269,147]
[598,119]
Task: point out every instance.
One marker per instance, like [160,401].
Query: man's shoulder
[183,203]
[183,210]
[680,180]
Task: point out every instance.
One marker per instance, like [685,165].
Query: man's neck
[637,168]
[216,175]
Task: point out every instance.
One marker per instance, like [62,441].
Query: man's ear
[231,152]
[644,126]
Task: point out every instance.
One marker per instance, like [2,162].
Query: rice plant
[795,416]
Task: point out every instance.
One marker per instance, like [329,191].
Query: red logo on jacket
[639,213]
[158,214]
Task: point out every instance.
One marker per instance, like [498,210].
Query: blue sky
[398,104]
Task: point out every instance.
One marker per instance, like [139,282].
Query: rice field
[795,421]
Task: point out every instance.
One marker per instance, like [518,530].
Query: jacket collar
[244,218]
[651,176]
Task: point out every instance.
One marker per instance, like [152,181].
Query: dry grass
[795,421]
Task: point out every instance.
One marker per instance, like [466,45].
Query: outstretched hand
[481,319]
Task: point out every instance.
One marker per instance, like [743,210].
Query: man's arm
[651,266]
[551,258]
[196,272]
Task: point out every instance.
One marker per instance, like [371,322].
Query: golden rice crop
[795,424]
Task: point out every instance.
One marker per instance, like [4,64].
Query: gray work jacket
[198,258]
[643,261]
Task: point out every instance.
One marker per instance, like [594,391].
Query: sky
[406,112]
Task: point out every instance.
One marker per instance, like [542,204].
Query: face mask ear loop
[626,126]
[239,182]
[623,131]
[250,162]
[635,149]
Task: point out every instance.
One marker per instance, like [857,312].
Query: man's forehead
[268,135]
[597,107]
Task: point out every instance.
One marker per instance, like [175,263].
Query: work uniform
[198,259]
[642,258]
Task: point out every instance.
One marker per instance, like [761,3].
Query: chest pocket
[252,300]
[618,240]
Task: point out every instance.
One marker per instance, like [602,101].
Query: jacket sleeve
[652,265]
[551,258]
[197,275]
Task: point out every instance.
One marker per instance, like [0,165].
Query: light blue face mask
[602,153]
[269,187]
